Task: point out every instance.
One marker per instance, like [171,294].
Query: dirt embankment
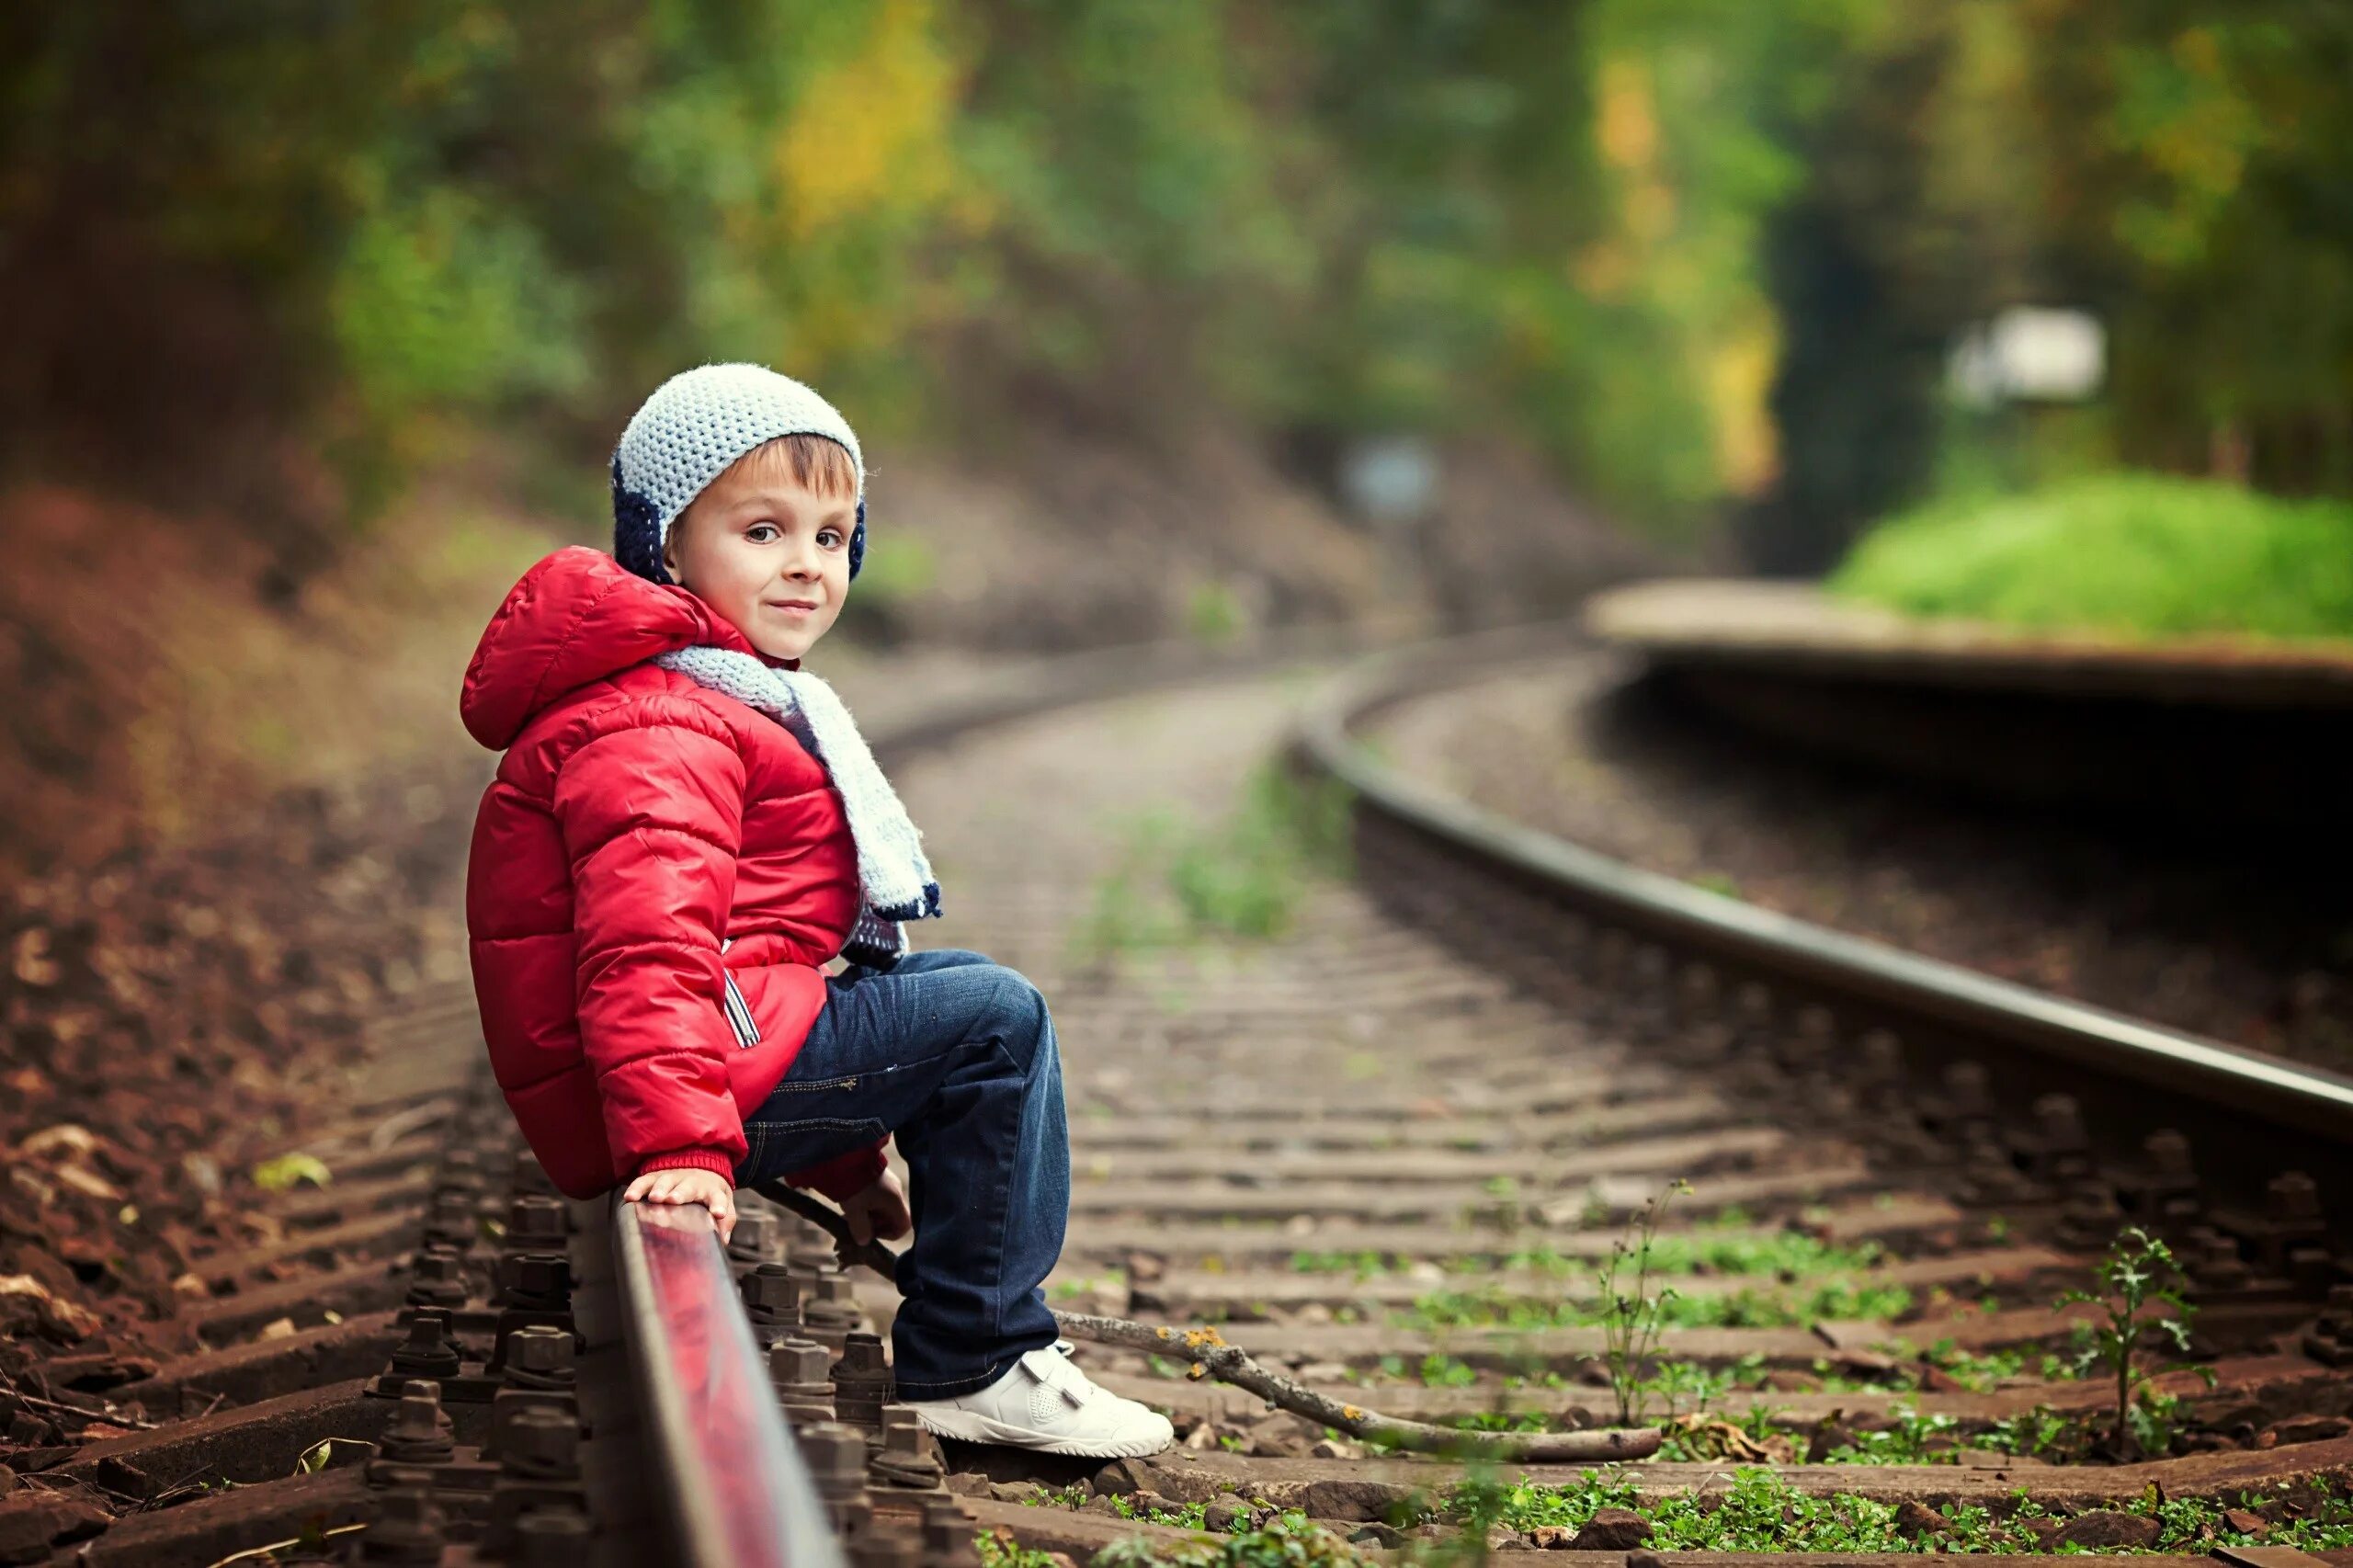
[233,833]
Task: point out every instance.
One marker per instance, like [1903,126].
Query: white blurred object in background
[2028,352]
[1391,482]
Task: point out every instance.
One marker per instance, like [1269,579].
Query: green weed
[2136,1277]
[1761,1513]
[1632,1314]
[1292,1542]
[1242,876]
[999,1550]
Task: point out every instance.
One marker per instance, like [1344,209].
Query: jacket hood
[576,617]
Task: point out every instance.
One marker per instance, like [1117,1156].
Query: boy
[685,827]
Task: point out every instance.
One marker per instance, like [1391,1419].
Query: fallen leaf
[286,1171]
[78,1143]
[28,1306]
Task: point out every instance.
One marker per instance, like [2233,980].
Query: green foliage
[999,1550]
[1633,1314]
[283,1173]
[1692,251]
[1212,614]
[1361,1263]
[1326,216]
[1761,1513]
[900,569]
[2132,553]
[1812,1280]
[1719,1247]
[1495,1307]
[2137,1277]
[1185,1516]
[1289,1542]
[1445,1373]
[1242,876]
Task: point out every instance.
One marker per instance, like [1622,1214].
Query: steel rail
[731,1476]
[733,1481]
[2270,1091]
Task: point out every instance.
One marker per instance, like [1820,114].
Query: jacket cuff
[710,1160]
[844,1176]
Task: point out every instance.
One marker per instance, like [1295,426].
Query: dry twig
[1208,1355]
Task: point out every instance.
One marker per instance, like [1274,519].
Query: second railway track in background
[1384,1149]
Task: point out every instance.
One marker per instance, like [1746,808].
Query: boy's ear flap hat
[695,424]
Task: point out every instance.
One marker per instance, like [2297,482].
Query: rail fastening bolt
[540,1356]
[426,1353]
[439,1280]
[754,1239]
[552,1538]
[419,1432]
[406,1529]
[534,1224]
[535,1443]
[771,1294]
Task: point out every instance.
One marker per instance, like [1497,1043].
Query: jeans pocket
[781,1147]
[813,1085]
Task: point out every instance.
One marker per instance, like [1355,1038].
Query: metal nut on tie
[535,1443]
[426,1354]
[754,1239]
[439,1280]
[534,1223]
[798,1370]
[907,1461]
[540,1356]
[406,1528]
[861,1382]
[418,1437]
[832,1305]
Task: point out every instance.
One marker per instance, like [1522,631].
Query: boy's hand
[880,1209]
[689,1185]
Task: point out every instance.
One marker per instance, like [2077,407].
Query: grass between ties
[1631,1296]
[1753,1511]
[1243,876]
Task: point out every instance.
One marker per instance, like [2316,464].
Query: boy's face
[770,556]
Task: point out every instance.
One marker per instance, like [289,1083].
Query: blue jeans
[954,1055]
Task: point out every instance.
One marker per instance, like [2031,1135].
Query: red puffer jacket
[638,821]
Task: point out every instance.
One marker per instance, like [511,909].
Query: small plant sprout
[1632,1314]
[2138,1276]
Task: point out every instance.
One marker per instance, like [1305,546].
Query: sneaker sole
[967,1427]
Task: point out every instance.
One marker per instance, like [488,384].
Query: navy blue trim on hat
[637,531]
[857,542]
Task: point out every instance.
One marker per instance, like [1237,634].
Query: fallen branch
[59,1407]
[1208,1355]
[827,1218]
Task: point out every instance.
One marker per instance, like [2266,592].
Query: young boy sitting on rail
[685,827]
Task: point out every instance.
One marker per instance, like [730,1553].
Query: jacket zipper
[738,1011]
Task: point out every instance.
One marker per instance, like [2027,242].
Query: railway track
[1387,1149]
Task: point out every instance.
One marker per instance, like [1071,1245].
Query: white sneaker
[1046,1403]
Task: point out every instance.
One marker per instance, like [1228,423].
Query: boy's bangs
[819,465]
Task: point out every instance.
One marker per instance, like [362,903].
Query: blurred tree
[2202,158]
[2180,169]
[1693,250]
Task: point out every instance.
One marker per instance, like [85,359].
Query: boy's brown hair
[817,463]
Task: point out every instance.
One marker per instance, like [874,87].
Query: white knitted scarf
[895,878]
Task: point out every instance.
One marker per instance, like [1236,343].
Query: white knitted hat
[695,424]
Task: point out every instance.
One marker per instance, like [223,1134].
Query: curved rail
[730,1473]
[2266,1095]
